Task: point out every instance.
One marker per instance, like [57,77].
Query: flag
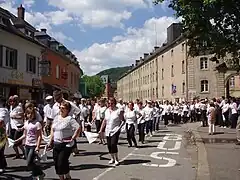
[91,137]
[174,89]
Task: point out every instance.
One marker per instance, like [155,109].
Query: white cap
[48,97]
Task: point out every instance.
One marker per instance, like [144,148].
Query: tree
[95,86]
[214,22]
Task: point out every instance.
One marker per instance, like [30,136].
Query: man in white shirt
[48,114]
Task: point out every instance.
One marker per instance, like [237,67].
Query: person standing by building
[112,124]
[48,114]
[141,123]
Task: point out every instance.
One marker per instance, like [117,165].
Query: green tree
[95,86]
[215,22]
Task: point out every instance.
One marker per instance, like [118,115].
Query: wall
[19,76]
[73,78]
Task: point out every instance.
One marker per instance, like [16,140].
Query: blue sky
[101,33]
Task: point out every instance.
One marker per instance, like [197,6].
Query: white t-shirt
[113,121]
[48,112]
[148,113]
[141,119]
[31,128]
[63,128]
[16,122]
[100,113]
[233,107]
[130,116]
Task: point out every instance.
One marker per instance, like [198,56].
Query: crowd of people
[63,121]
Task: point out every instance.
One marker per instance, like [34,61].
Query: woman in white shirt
[141,122]
[4,123]
[225,113]
[130,117]
[99,113]
[17,123]
[112,124]
[65,130]
[234,114]
[211,115]
[149,117]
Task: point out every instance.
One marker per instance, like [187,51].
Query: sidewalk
[223,156]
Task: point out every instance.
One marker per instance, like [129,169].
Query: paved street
[165,156]
[222,154]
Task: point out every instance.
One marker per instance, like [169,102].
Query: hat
[48,97]
[83,99]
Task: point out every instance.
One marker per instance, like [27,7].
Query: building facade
[19,57]
[168,73]
[32,63]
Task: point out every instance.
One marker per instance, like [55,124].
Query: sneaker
[116,163]
[111,161]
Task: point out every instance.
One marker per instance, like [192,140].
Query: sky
[101,33]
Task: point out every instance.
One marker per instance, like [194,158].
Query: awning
[62,88]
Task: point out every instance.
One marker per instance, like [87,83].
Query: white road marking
[111,168]
[176,147]
[173,137]
[171,163]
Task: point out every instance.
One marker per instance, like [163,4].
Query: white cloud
[101,13]
[28,3]
[60,36]
[124,50]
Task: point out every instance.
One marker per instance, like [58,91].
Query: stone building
[168,73]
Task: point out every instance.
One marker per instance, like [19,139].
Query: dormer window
[3,21]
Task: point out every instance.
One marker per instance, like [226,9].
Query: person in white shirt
[234,114]
[98,117]
[112,124]
[130,116]
[211,115]
[149,118]
[204,112]
[74,112]
[84,116]
[141,123]
[198,110]
[65,130]
[166,112]
[17,122]
[225,113]
[121,105]
[48,114]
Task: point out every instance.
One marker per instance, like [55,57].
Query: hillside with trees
[114,73]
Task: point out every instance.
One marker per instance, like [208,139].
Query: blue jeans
[30,156]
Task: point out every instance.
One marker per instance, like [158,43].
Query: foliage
[114,73]
[214,22]
[94,85]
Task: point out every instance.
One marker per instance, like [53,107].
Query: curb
[203,172]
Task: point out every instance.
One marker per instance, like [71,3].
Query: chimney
[155,48]
[21,12]
[141,59]
[137,62]
[145,55]
[44,30]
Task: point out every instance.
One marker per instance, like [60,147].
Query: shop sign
[36,82]
[16,77]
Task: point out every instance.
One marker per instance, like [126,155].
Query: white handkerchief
[10,142]
[91,137]
[46,138]
[43,156]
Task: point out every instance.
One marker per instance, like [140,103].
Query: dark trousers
[234,118]
[176,118]
[61,155]
[193,116]
[141,133]
[155,124]
[3,162]
[130,128]
[98,124]
[204,118]
[149,126]
[30,157]
[112,142]
[226,117]
[198,116]
[165,118]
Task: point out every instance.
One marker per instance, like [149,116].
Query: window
[203,63]
[162,74]
[183,87]
[162,91]
[1,56]
[232,82]
[183,67]
[204,86]
[153,92]
[71,78]
[57,71]
[10,58]
[172,53]
[31,64]
[172,74]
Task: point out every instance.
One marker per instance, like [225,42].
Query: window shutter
[27,62]
[15,59]
[1,56]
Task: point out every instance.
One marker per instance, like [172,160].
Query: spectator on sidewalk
[211,118]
